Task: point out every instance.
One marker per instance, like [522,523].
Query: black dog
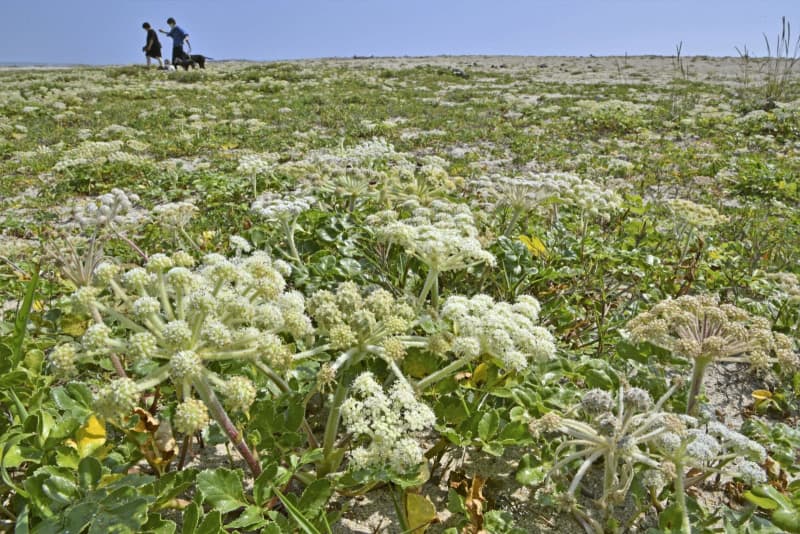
[193,61]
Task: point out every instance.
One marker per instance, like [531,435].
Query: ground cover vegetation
[254,298]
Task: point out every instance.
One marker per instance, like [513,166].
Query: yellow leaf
[761,394]
[480,373]
[73,326]
[90,437]
[420,512]
[534,245]
[38,305]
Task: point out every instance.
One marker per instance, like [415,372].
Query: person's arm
[186,40]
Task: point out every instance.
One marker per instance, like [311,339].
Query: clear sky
[109,31]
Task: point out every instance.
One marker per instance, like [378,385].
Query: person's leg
[148,60]
[160,63]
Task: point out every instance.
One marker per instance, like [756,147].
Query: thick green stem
[609,475]
[221,417]
[115,361]
[288,229]
[441,374]
[513,222]
[698,372]
[680,499]
[189,239]
[329,462]
[432,277]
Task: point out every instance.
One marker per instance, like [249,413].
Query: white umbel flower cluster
[388,425]
[282,207]
[443,236]
[507,332]
[257,163]
[538,192]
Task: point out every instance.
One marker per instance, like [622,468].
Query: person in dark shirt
[152,48]
[178,38]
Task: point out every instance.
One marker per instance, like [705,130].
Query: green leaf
[80,516]
[222,489]
[298,517]
[295,412]
[251,518]
[788,520]
[271,528]
[158,525]
[211,524]
[597,378]
[191,516]
[455,502]
[530,476]
[262,487]
[350,266]
[488,425]
[315,496]
[60,490]
[21,322]
[762,502]
[124,511]
[89,472]
[172,484]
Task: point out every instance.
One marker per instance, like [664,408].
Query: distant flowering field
[260,297]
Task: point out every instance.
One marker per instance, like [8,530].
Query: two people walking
[152,48]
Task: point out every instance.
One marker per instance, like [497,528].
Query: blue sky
[109,31]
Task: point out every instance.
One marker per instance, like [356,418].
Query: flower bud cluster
[699,327]
[175,214]
[116,399]
[190,416]
[711,446]
[387,424]
[111,209]
[695,215]
[443,236]
[351,316]
[499,330]
[180,317]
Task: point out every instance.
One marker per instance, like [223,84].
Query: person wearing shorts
[152,48]
[178,38]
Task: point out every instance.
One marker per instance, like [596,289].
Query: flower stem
[513,222]
[680,499]
[432,277]
[131,244]
[221,417]
[698,371]
[441,374]
[329,462]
